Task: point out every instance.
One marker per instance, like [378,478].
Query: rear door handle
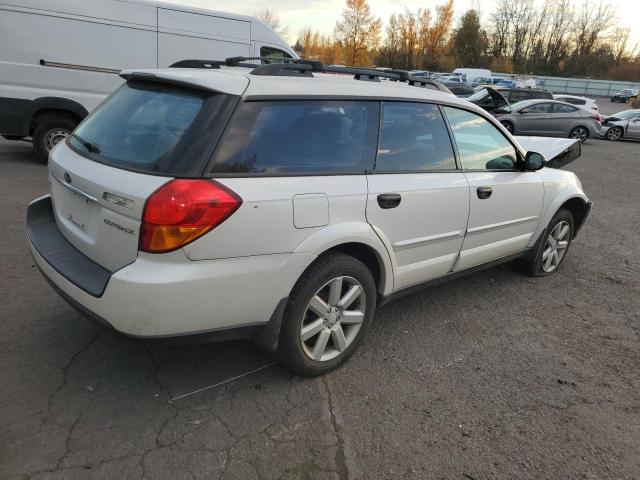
[389,200]
[484,192]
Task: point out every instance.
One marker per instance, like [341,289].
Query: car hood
[556,151]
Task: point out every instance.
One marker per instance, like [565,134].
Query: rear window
[153,128]
[299,137]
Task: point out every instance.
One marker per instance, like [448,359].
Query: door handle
[389,200]
[484,192]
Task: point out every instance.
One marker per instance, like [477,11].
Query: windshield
[149,127]
[627,114]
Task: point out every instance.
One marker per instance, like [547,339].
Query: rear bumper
[167,296]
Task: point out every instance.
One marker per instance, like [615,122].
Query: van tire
[291,352]
[50,129]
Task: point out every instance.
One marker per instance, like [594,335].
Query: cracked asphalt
[495,375]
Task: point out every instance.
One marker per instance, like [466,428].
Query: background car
[493,99]
[583,102]
[624,124]
[624,95]
[550,118]
[461,90]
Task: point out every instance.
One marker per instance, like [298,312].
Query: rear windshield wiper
[90,147]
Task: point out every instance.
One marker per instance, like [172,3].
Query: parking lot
[495,375]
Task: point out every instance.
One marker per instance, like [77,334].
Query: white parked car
[284,204]
[60,58]
[582,102]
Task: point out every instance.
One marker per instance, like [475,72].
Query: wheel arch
[579,209]
[53,106]
[359,241]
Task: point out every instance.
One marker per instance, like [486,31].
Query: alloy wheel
[333,318]
[614,134]
[556,246]
[54,136]
[580,133]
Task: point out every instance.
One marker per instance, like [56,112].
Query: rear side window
[481,146]
[517,95]
[413,137]
[153,128]
[575,101]
[559,108]
[299,137]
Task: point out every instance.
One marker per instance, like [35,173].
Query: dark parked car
[624,95]
[461,90]
[492,99]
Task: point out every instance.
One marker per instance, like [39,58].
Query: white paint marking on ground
[223,382]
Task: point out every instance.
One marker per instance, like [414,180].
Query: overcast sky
[323,14]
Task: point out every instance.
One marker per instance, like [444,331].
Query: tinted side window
[559,108]
[413,137]
[481,146]
[272,53]
[540,94]
[538,108]
[575,101]
[517,95]
[299,137]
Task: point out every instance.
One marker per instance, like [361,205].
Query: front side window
[481,146]
[274,53]
[413,137]
[299,137]
[538,108]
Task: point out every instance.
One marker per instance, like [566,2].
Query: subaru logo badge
[67,177]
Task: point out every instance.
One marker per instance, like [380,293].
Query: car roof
[239,81]
[573,96]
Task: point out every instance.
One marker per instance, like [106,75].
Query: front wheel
[614,134]
[553,248]
[580,133]
[327,315]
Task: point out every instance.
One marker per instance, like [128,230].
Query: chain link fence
[581,86]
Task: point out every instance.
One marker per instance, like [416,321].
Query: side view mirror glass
[533,161]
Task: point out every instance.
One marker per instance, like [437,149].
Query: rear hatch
[141,137]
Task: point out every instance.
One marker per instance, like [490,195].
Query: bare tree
[270,16]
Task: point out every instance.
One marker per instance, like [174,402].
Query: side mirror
[533,161]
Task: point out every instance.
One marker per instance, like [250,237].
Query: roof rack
[302,67]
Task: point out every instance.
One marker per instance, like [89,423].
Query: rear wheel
[553,248]
[614,134]
[327,315]
[508,126]
[580,133]
[49,131]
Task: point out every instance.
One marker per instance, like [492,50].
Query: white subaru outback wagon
[284,202]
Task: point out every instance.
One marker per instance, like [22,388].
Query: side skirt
[452,276]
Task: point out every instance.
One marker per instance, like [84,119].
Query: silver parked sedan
[550,118]
[622,125]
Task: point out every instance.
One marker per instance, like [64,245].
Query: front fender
[557,197]
[351,232]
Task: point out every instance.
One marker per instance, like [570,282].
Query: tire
[539,264]
[580,133]
[308,357]
[508,126]
[614,134]
[50,130]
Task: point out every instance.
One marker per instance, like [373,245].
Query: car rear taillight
[598,117]
[181,211]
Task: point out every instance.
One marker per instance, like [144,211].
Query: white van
[60,58]
[471,74]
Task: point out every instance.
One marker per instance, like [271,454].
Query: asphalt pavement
[493,376]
